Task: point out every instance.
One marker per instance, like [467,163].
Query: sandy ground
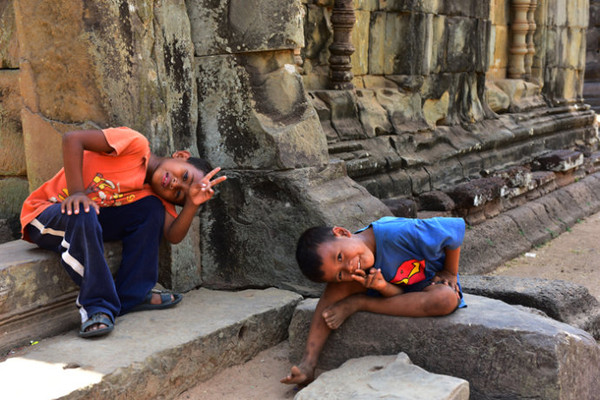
[573,256]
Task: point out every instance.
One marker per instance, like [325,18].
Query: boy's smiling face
[343,256]
[173,177]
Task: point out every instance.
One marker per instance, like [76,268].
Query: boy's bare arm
[450,272]
[175,229]
[303,373]
[73,145]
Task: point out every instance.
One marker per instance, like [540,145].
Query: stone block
[318,32]
[253,208]
[344,113]
[500,12]
[435,201]
[267,121]
[533,223]
[324,114]
[40,133]
[60,94]
[180,265]
[471,9]
[239,26]
[564,301]
[578,13]
[360,40]
[373,117]
[398,43]
[384,377]
[402,207]
[148,85]
[7,232]
[462,43]
[444,173]
[559,160]
[13,192]
[436,110]
[37,297]
[516,176]
[502,351]
[476,192]
[9,45]
[495,98]
[425,6]
[491,243]
[404,109]
[12,153]
[560,208]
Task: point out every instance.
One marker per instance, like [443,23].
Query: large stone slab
[564,301]
[153,355]
[384,377]
[503,352]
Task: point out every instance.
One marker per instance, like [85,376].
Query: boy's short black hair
[307,257]
[200,163]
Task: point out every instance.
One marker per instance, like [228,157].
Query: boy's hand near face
[176,228]
[202,191]
[373,279]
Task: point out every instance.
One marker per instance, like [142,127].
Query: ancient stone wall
[439,92]
[439,102]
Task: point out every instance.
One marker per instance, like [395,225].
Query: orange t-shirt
[112,179]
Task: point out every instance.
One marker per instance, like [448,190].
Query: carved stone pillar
[340,68]
[529,38]
[519,30]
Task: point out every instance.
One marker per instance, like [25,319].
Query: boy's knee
[443,301]
[85,218]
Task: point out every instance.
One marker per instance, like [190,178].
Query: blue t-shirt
[410,251]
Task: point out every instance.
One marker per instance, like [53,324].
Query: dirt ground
[573,256]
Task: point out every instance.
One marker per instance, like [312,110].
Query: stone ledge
[153,354]
[563,301]
[502,351]
[517,230]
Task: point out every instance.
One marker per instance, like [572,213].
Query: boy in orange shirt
[113,188]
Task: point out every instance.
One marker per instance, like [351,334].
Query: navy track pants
[79,239]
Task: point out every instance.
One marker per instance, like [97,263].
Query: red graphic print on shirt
[409,272]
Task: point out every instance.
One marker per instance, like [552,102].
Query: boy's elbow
[173,239]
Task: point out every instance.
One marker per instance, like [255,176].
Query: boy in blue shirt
[410,265]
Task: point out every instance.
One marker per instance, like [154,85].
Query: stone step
[37,296]
[153,354]
[504,352]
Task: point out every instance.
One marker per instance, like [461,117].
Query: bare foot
[336,314]
[301,375]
